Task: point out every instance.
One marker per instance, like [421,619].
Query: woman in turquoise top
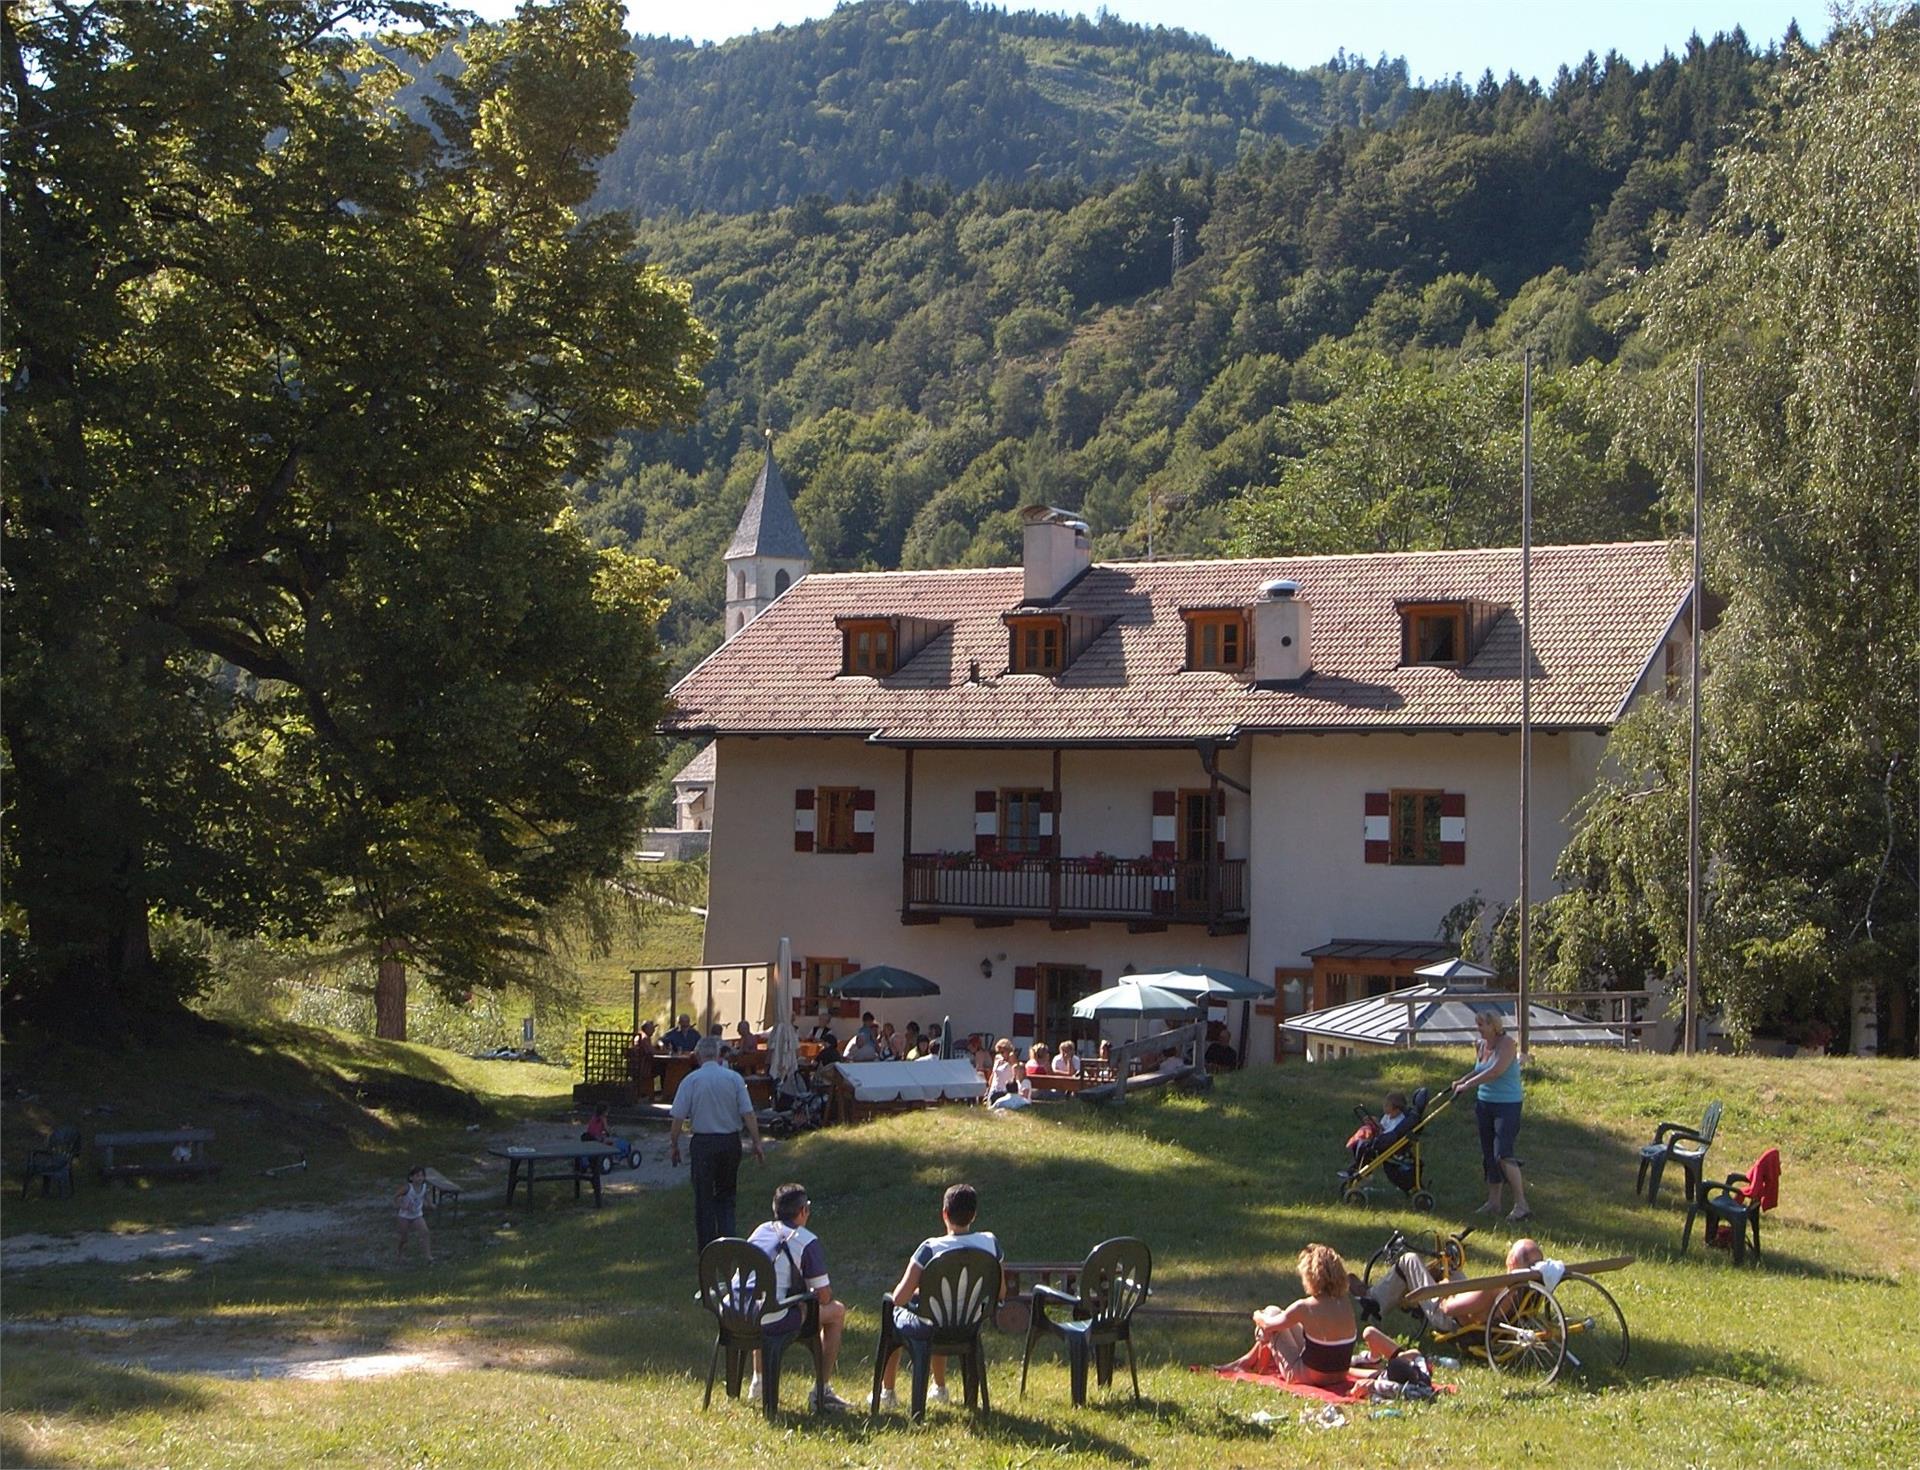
[1496,1108]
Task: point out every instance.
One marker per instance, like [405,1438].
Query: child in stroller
[1390,1145]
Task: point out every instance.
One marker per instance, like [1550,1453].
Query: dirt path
[267,1228]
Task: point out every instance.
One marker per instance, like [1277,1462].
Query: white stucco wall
[1311,881]
[847,905]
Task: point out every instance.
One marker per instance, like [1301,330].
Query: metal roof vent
[1279,589]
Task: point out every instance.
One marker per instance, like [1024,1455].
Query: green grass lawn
[585,1348]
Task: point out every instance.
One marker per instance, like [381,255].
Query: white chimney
[1055,548]
[1282,634]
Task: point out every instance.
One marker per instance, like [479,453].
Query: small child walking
[412,1203]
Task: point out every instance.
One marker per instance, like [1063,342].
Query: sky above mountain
[1437,37]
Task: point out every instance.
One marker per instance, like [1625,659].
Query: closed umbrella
[783,1045]
[882,982]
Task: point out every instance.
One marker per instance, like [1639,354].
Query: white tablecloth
[923,1081]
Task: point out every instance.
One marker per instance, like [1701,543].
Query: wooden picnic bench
[1059,1082]
[194,1140]
[1187,1041]
[441,1189]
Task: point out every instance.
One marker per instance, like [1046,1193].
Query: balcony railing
[1137,890]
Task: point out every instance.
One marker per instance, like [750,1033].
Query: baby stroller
[797,1106]
[1400,1162]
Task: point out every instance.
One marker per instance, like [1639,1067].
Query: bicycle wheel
[1383,1259]
[1527,1334]
[1597,1338]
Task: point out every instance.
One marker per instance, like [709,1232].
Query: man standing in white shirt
[713,1104]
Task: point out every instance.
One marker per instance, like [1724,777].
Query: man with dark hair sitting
[799,1263]
[958,1208]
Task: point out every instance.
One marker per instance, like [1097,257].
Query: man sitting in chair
[958,1207]
[1445,1314]
[797,1261]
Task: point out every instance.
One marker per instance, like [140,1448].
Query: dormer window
[1433,632]
[868,647]
[1039,645]
[1216,639]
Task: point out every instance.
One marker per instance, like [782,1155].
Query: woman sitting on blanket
[1311,1341]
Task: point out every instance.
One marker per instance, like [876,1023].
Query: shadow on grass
[14,1450]
[46,1382]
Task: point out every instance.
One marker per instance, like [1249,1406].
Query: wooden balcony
[1144,893]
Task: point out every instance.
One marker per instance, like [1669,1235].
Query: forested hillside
[1349,317]
[940,88]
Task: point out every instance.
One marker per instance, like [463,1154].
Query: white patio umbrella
[783,1045]
[1131,1000]
[1214,987]
[1206,984]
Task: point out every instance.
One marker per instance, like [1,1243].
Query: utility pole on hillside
[1179,245]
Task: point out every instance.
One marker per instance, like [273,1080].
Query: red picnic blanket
[1354,1392]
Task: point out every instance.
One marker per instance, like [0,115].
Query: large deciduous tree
[297,626]
[1803,299]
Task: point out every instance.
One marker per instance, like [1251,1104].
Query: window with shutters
[1414,828]
[868,648]
[833,808]
[1216,640]
[1020,825]
[1039,645]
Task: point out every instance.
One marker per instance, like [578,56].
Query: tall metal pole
[1693,701]
[1526,695]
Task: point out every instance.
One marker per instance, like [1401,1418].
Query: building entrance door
[1060,986]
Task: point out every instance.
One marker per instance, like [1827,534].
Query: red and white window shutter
[1026,984]
[1453,827]
[803,819]
[986,822]
[1166,837]
[1379,827]
[863,814]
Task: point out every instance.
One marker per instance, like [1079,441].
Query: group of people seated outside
[1006,1075]
[800,1263]
[876,1042]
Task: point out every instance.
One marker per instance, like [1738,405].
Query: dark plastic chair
[1112,1284]
[52,1164]
[737,1282]
[1736,1203]
[958,1292]
[1675,1143]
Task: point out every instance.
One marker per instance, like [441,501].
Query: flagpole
[1526,693]
[1693,700]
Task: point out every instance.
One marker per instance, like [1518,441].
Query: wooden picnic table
[524,1161]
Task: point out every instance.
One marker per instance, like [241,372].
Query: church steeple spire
[769,551]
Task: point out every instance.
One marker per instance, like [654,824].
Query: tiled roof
[767,526]
[1599,613]
[699,770]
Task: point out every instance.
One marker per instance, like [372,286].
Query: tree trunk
[1865,1041]
[390,994]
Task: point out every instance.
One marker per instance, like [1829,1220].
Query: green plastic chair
[958,1292]
[52,1164]
[1113,1283]
[737,1282]
[1675,1143]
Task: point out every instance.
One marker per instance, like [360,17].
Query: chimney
[1282,634]
[1055,549]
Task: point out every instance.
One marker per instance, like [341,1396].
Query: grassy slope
[1809,1360]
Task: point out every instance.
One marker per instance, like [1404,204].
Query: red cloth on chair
[1763,1181]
